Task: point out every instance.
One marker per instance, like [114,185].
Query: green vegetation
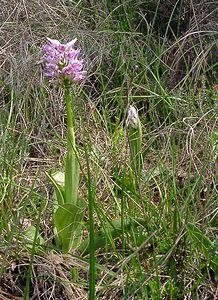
[154,221]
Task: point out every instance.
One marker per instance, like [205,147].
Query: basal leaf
[29,238]
[114,230]
[59,178]
[71,178]
[68,225]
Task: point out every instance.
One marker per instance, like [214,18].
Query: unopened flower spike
[132,118]
[135,138]
[62,61]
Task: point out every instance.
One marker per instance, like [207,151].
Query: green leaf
[214,266]
[135,138]
[114,230]
[29,237]
[71,177]
[205,245]
[68,224]
[201,241]
[57,180]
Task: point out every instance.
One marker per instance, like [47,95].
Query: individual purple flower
[132,117]
[62,61]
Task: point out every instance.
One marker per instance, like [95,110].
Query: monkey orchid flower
[62,61]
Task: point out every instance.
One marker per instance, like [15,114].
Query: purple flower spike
[62,61]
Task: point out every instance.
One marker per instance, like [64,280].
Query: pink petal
[55,43]
[71,44]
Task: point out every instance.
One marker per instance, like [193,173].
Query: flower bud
[132,117]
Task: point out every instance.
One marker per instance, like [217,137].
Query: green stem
[68,105]
[70,120]
[72,165]
[135,138]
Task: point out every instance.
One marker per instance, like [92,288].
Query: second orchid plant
[135,139]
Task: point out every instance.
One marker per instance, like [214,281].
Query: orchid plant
[63,65]
[135,139]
